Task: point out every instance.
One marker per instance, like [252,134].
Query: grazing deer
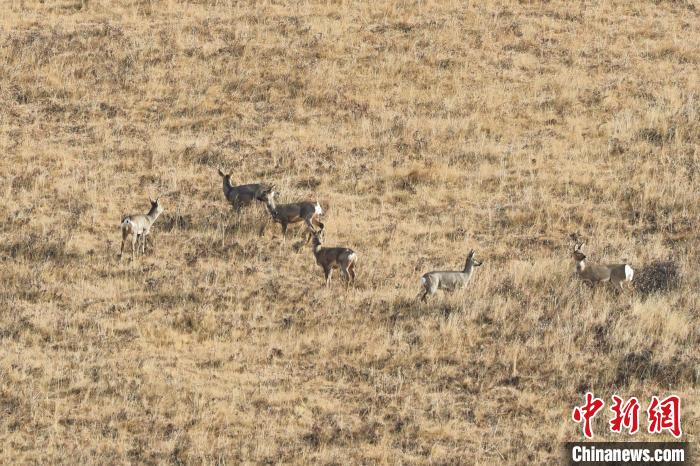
[243,195]
[448,281]
[284,214]
[617,274]
[139,226]
[330,258]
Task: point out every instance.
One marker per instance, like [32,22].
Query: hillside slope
[425,129]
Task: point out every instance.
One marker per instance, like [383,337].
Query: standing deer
[593,274]
[284,214]
[139,226]
[243,195]
[448,281]
[330,258]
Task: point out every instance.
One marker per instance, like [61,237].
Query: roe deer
[243,195]
[139,226]
[617,274]
[448,281]
[284,214]
[330,258]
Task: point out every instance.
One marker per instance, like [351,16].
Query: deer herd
[138,227]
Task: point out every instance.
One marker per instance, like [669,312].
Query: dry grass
[426,128]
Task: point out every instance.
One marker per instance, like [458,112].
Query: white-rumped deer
[139,226]
[448,280]
[286,214]
[593,274]
[330,258]
[242,195]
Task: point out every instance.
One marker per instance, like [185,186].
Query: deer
[286,214]
[139,226]
[431,282]
[330,258]
[243,195]
[617,274]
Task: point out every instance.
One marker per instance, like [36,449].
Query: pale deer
[139,226]
[286,214]
[431,282]
[593,274]
[243,195]
[330,258]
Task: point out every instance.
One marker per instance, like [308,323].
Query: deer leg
[424,296]
[328,271]
[346,274]
[284,232]
[351,269]
[125,235]
[619,287]
[143,244]
[238,213]
[432,288]
[134,238]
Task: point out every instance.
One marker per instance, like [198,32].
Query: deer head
[578,254]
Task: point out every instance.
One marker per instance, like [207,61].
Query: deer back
[448,279]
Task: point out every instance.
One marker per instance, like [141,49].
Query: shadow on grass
[641,366]
[659,276]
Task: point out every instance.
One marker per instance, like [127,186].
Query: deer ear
[221,173]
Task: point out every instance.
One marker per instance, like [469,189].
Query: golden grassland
[425,129]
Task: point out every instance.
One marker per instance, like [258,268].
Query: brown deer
[242,195]
[286,214]
[593,274]
[330,258]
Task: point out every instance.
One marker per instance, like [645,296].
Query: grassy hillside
[425,129]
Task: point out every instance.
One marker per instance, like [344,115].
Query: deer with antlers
[617,274]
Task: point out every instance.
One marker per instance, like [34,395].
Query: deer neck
[271,207]
[580,266]
[153,214]
[468,267]
[227,185]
